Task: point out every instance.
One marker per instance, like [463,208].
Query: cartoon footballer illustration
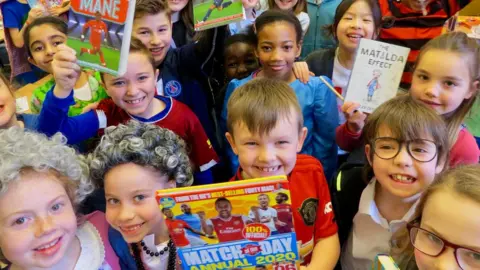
[217,4]
[97,27]
[373,85]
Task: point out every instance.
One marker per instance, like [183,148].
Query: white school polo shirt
[371,233]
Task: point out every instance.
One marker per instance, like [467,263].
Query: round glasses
[421,150]
[432,245]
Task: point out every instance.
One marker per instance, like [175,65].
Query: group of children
[157,130]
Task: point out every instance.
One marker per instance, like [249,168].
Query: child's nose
[403,158]
[44,226]
[125,214]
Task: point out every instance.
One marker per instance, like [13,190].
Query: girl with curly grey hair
[42,182]
[131,163]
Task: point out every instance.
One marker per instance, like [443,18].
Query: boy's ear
[368,148]
[231,141]
[301,138]
[32,61]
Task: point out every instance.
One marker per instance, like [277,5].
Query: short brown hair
[260,103]
[407,119]
[136,46]
[151,7]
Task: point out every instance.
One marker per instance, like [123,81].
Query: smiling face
[44,40]
[356,23]
[270,154]
[240,60]
[442,87]
[277,50]
[7,106]
[155,31]
[131,205]
[224,209]
[402,176]
[455,219]
[135,90]
[177,5]
[36,231]
[186,209]
[286,4]
[263,201]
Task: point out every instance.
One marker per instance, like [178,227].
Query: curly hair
[144,145]
[22,152]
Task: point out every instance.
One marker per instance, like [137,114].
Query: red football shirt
[284,214]
[177,230]
[228,230]
[96,30]
[178,118]
[313,216]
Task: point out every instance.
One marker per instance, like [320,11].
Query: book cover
[384,262]
[213,13]
[235,225]
[376,73]
[46,4]
[100,31]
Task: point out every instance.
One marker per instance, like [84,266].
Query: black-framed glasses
[433,245]
[421,150]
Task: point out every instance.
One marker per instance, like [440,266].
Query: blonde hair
[462,180]
[260,103]
[407,119]
[300,6]
[457,42]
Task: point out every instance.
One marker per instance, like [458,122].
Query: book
[384,262]
[376,73]
[213,13]
[100,32]
[232,225]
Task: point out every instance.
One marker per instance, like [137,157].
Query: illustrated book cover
[376,73]
[100,32]
[235,225]
[213,13]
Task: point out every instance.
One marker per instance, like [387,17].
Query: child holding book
[265,129]
[442,236]
[42,183]
[451,90]
[278,35]
[406,146]
[131,163]
[42,38]
[133,96]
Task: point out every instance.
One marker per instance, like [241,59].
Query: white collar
[175,17]
[92,254]
[155,262]
[367,205]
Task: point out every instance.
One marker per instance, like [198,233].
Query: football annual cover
[46,4]
[376,73]
[384,262]
[100,31]
[212,13]
[236,225]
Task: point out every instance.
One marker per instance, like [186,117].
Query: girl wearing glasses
[446,235]
[406,146]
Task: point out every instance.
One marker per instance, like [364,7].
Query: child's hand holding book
[355,118]
[65,71]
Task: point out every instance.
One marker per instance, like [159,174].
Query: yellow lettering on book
[217,194]
[234,192]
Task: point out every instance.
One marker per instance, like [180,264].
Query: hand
[254,208]
[301,71]
[55,11]
[65,70]
[280,223]
[249,4]
[201,215]
[90,107]
[210,236]
[34,13]
[355,118]
[82,37]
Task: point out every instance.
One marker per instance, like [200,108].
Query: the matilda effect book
[99,31]
[376,73]
[212,13]
[236,225]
